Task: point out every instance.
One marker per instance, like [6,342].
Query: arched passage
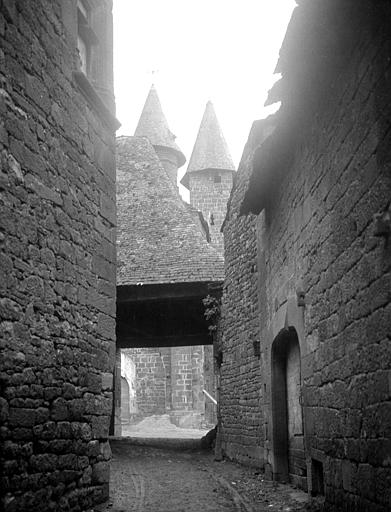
[288,439]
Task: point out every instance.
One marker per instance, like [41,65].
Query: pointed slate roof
[158,240]
[153,124]
[210,149]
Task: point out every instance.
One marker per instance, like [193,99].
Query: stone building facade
[171,380]
[57,259]
[148,381]
[166,267]
[318,206]
[236,341]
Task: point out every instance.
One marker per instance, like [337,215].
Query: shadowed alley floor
[174,477]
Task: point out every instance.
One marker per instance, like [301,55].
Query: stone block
[42,415]
[100,427]
[86,477]
[67,461]
[59,410]
[105,450]
[100,473]
[106,326]
[21,417]
[44,462]
[93,448]
[107,381]
[4,410]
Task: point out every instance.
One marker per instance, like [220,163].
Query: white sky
[219,50]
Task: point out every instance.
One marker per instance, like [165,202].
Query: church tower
[153,125]
[209,175]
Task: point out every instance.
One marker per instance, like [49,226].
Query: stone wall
[170,380]
[240,378]
[209,193]
[150,381]
[318,238]
[181,380]
[210,386]
[57,263]
[324,276]
[187,382]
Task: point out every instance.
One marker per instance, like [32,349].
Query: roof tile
[158,240]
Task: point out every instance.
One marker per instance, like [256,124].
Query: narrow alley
[195,297]
[178,476]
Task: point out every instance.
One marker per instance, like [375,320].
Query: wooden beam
[180,291]
[164,341]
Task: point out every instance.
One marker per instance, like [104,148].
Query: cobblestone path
[152,479]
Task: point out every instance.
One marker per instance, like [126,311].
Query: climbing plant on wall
[212,307]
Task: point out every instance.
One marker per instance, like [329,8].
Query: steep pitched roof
[153,125]
[158,240]
[210,149]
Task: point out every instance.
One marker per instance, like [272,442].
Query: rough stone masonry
[57,259]
[306,312]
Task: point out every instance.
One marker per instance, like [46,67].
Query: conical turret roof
[153,125]
[210,149]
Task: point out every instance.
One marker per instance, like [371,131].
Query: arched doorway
[288,439]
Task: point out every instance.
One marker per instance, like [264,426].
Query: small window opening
[317,478]
[217,179]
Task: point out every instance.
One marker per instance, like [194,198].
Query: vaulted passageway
[164,354]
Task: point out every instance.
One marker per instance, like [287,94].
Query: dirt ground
[160,426]
[175,476]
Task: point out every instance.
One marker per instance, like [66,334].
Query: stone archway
[288,438]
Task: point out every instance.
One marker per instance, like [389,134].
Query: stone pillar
[181,384]
[117,393]
[165,354]
[197,363]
